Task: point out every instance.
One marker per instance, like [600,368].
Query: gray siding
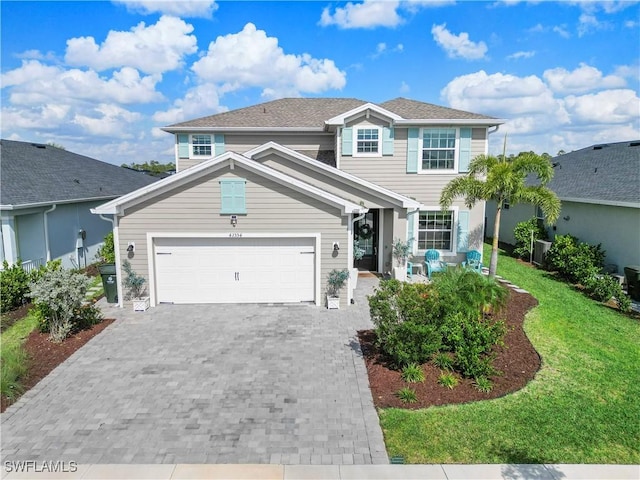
[293,169]
[271,208]
[240,143]
[391,171]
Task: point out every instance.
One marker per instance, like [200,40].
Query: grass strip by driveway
[13,357]
[582,407]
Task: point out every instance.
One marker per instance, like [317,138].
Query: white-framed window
[201,145]
[367,141]
[436,230]
[439,149]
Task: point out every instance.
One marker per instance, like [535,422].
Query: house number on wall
[235,235]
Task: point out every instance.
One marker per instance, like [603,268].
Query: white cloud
[631,23]
[200,100]
[607,107]
[252,59]
[588,23]
[34,83]
[542,119]
[404,87]
[562,31]
[154,49]
[521,54]
[107,120]
[369,14]
[458,46]
[583,79]
[607,6]
[181,8]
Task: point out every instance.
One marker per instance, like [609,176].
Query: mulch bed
[45,355]
[517,360]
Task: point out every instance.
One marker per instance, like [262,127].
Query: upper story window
[201,145]
[435,230]
[438,148]
[367,141]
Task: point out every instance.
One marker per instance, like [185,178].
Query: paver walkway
[207,384]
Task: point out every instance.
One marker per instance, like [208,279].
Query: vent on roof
[600,147]
[634,144]
[39,145]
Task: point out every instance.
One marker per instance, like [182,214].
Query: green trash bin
[632,274]
[108,274]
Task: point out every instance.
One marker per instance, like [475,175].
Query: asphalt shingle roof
[609,173]
[34,173]
[313,112]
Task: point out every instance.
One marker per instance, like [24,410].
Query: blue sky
[100,78]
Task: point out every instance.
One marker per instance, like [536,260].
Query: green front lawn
[582,407]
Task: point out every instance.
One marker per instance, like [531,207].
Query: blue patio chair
[433,263]
[473,261]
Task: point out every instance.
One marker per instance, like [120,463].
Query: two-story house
[270,198]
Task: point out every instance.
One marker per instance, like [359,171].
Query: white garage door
[234,270]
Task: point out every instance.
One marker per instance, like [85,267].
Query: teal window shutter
[410,229]
[232,196]
[347,141]
[412,150]
[463,231]
[218,140]
[464,156]
[387,141]
[183,145]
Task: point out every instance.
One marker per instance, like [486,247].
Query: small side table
[418,268]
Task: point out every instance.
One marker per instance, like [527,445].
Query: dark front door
[365,236]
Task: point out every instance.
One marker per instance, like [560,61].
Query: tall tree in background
[500,179]
[152,167]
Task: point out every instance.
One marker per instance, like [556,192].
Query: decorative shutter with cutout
[183,145]
[464,155]
[463,231]
[387,141]
[218,141]
[413,135]
[347,141]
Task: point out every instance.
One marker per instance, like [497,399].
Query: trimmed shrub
[522,234]
[603,288]
[14,286]
[58,294]
[576,261]
[107,253]
[472,341]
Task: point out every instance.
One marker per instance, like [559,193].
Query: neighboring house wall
[64,224]
[271,208]
[509,219]
[616,228]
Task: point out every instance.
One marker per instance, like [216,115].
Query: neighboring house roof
[118,205]
[603,174]
[312,113]
[35,174]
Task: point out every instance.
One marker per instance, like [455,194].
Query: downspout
[46,231]
[489,132]
[116,249]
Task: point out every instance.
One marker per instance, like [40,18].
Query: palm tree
[500,179]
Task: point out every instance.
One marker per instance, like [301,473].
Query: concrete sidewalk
[330,472]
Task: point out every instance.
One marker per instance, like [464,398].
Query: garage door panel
[235,270]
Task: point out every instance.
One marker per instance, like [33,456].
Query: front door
[365,237]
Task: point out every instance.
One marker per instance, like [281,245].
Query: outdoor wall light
[131,247]
[336,246]
[567,218]
[234,220]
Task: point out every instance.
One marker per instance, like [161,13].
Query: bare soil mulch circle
[44,355]
[517,360]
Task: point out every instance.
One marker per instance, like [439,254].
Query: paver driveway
[207,384]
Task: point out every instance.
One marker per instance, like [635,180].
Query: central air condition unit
[540,250]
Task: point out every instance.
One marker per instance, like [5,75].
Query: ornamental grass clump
[59,293]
